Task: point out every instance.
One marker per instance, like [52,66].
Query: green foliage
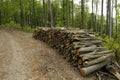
[14,25]
[11,24]
[112,43]
[28,28]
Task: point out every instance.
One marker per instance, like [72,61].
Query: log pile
[79,47]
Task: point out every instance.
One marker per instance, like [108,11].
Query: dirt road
[23,58]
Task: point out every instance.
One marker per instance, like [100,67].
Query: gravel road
[23,58]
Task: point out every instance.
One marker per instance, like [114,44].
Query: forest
[85,32]
[99,16]
[63,13]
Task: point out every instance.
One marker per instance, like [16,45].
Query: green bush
[12,24]
[113,44]
[28,28]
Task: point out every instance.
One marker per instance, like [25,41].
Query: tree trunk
[51,15]
[44,14]
[96,16]
[21,15]
[67,13]
[82,13]
[0,18]
[63,8]
[92,21]
[116,17]
[33,14]
[101,21]
[72,13]
[110,18]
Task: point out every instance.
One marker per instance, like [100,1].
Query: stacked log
[79,47]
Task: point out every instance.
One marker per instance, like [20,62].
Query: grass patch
[28,29]
[12,24]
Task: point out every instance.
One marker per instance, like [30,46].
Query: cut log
[89,57]
[93,55]
[79,62]
[113,71]
[90,69]
[87,49]
[98,60]
[77,46]
[87,43]
[117,64]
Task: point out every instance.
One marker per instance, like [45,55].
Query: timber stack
[79,47]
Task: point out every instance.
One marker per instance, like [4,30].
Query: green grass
[28,29]
[17,26]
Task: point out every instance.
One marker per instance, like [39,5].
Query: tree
[116,17]
[72,13]
[67,13]
[92,21]
[101,21]
[82,13]
[109,19]
[51,15]
[63,11]
[21,14]
[0,17]
[33,14]
[44,13]
[96,15]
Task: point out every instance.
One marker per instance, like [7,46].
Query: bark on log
[87,49]
[98,60]
[90,69]
[113,71]
[93,55]
[76,46]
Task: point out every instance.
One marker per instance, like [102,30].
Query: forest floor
[23,58]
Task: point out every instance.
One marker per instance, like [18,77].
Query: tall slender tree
[82,13]
[51,15]
[63,11]
[96,15]
[21,14]
[116,17]
[101,21]
[0,18]
[92,21]
[33,14]
[67,13]
[44,14]
[110,18]
[72,13]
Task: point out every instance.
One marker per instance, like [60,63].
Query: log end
[82,72]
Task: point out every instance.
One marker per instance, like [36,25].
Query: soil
[24,58]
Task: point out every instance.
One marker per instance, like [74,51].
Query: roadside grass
[26,28]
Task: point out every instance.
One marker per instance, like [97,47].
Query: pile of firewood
[79,47]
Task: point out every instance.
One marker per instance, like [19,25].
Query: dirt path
[23,58]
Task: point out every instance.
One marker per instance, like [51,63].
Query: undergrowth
[17,26]
[113,44]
